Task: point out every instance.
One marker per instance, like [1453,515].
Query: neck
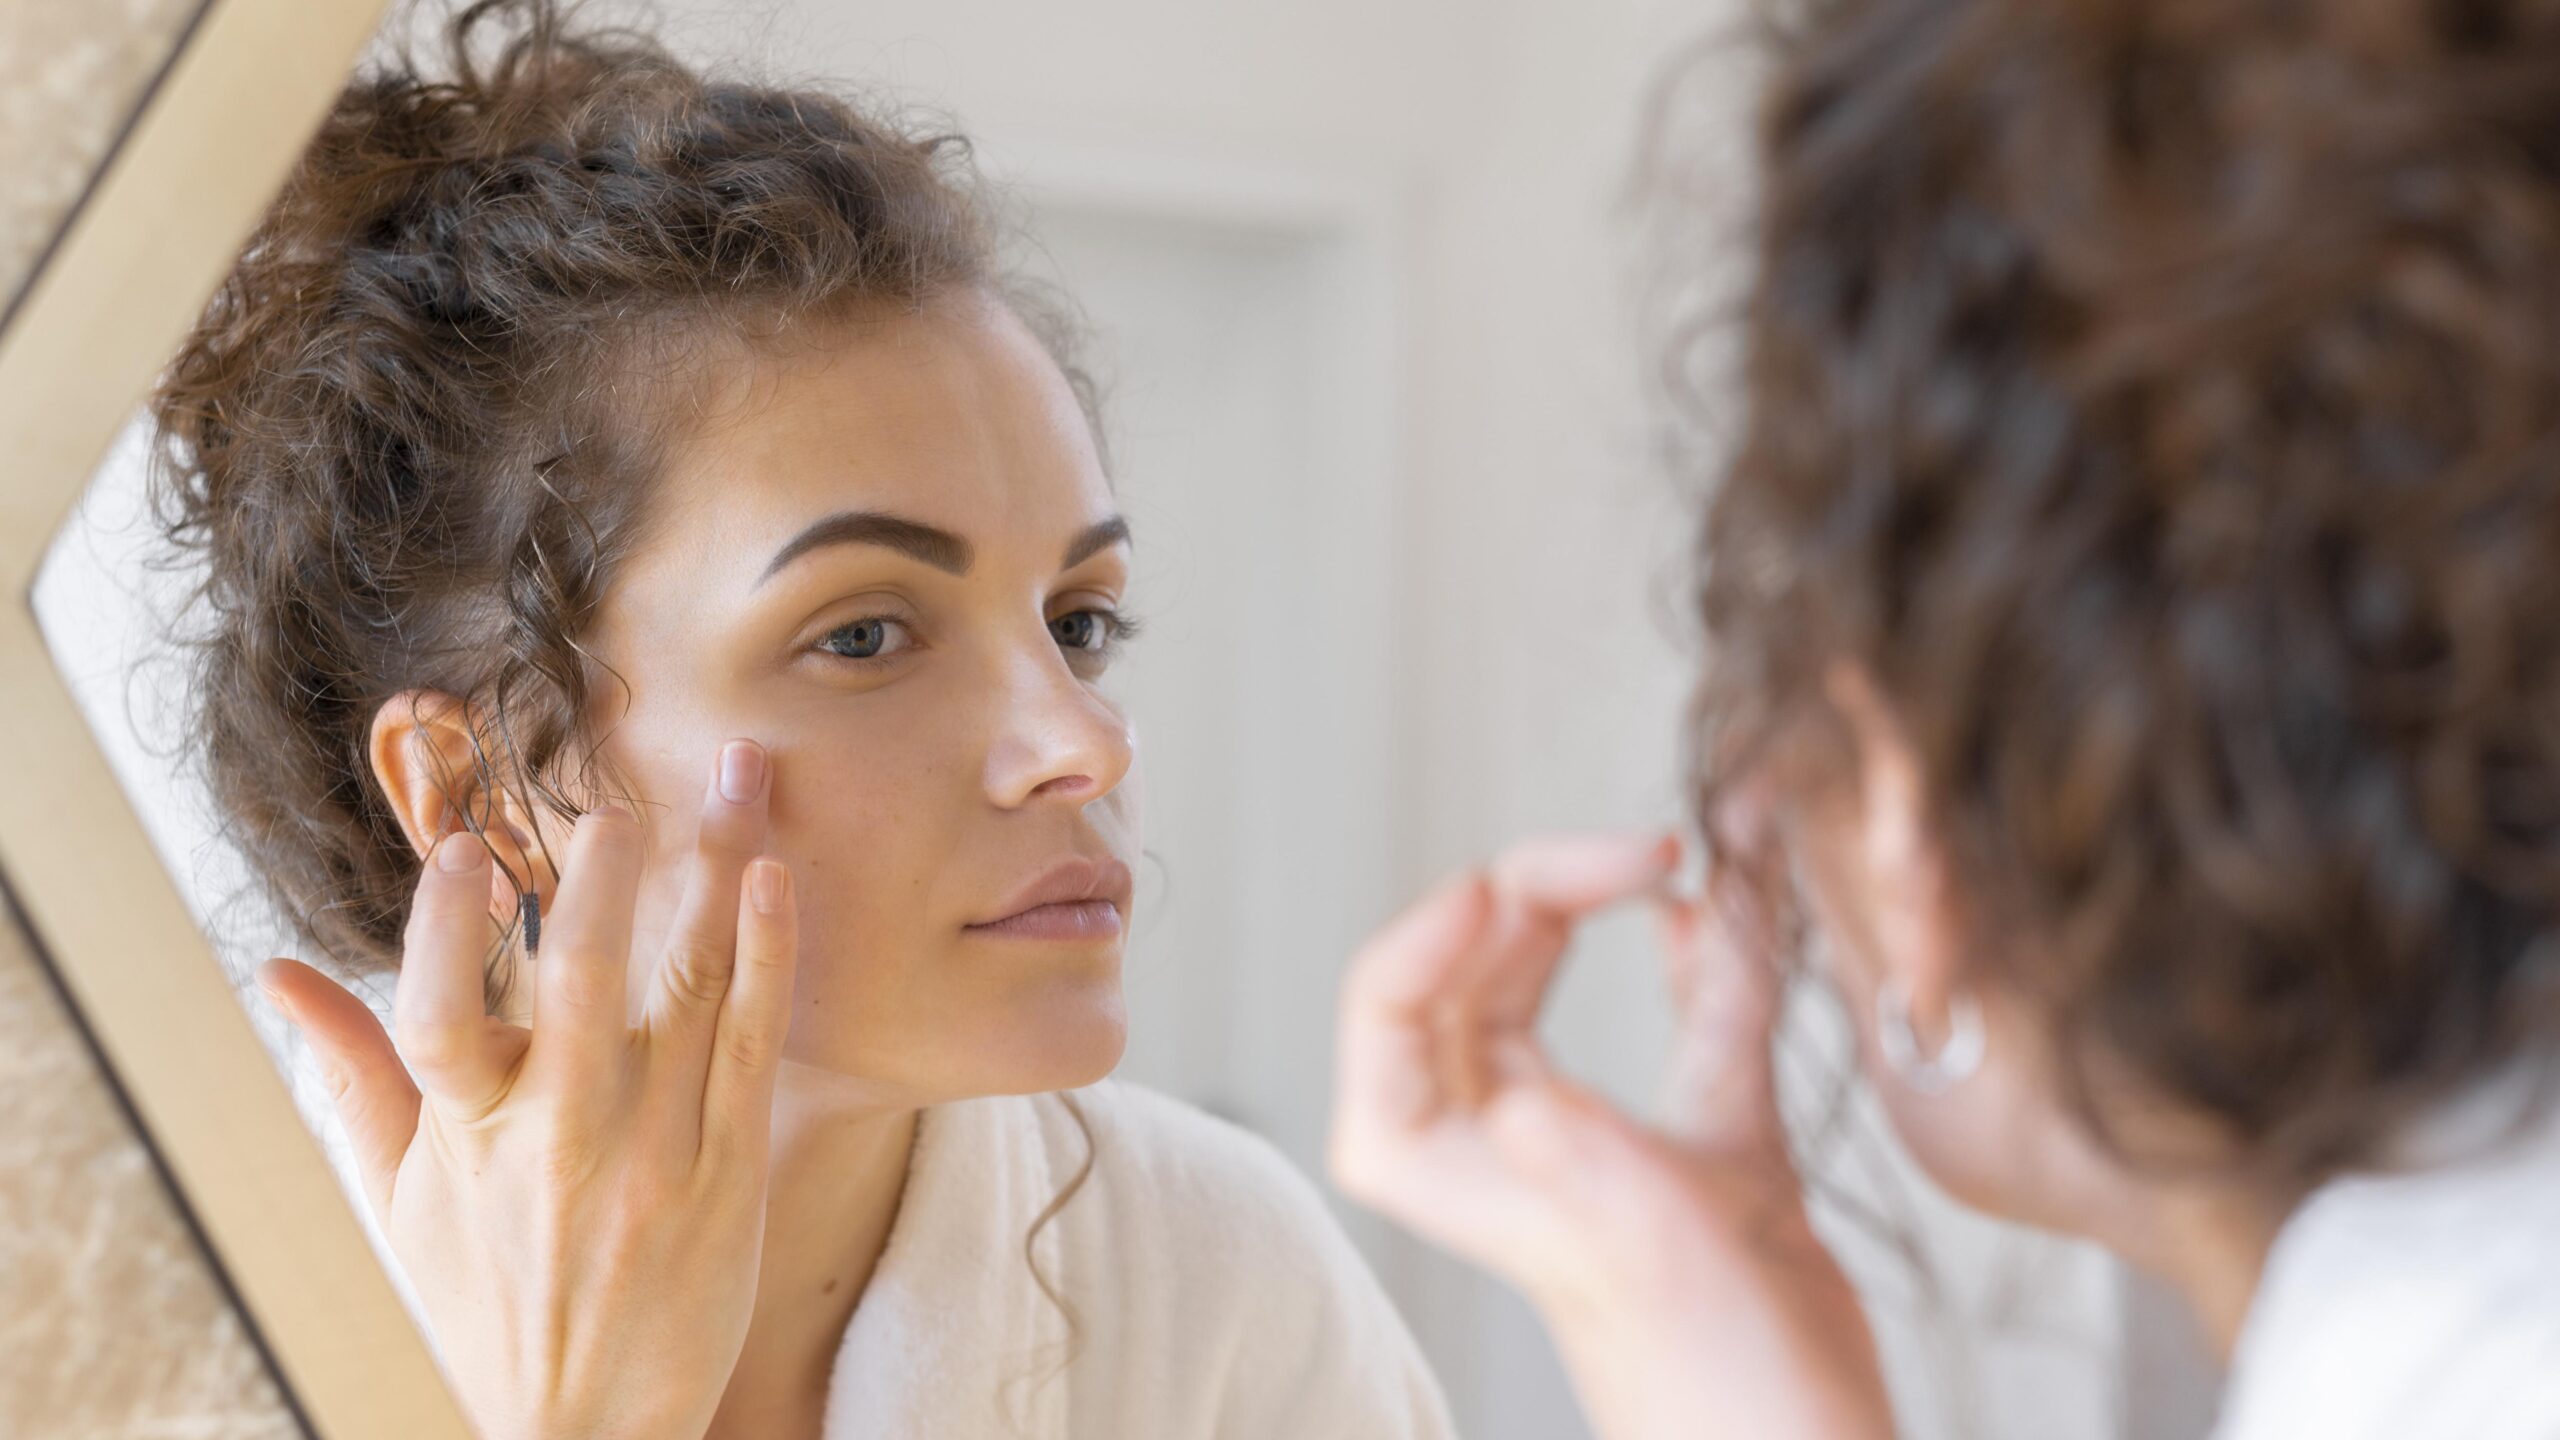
[2208,1243]
[838,1169]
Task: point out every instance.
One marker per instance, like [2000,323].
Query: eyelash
[1119,630]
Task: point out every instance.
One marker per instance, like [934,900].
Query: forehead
[953,414]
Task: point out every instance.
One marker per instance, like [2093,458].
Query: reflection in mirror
[587,422]
[558,430]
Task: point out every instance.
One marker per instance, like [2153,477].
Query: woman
[2134,627]
[663,582]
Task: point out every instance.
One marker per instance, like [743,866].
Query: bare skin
[889,558]
[1676,1266]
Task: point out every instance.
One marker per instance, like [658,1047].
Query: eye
[873,637]
[1098,634]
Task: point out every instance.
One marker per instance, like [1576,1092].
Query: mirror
[178,1252]
[1353,288]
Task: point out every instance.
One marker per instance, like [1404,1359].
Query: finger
[1721,1089]
[1542,888]
[755,1019]
[702,947]
[581,1001]
[1385,1073]
[1552,1129]
[376,1101]
[1404,967]
[461,1058]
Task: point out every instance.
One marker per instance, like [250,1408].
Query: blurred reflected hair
[2161,402]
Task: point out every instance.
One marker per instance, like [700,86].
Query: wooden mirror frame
[166,211]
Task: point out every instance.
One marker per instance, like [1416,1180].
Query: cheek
[866,829]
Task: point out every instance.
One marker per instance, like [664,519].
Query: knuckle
[746,1046]
[581,982]
[431,1045]
[698,974]
[719,847]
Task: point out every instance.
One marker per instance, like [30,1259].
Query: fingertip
[743,769]
[274,978]
[460,853]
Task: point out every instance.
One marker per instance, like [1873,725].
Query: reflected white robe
[1214,1294]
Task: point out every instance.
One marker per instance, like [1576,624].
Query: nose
[1056,739]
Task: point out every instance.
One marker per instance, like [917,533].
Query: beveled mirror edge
[172,207]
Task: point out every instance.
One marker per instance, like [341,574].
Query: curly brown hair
[2161,403]
[413,434]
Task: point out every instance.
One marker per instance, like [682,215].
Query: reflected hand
[1678,1269]
[580,1204]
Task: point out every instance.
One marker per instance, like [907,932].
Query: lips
[1074,889]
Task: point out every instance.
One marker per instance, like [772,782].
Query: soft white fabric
[2419,1303]
[1214,1295]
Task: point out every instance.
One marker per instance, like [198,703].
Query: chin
[1063,1034]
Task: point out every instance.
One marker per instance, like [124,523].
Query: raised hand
[1676,1266]
[579,1204]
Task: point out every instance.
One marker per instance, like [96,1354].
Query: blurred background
[1363,290]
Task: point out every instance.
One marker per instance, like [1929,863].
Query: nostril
[1065,785]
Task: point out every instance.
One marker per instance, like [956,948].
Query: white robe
[1214,1295]
[2422,1302]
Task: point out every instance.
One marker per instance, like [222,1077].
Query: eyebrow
[933,545]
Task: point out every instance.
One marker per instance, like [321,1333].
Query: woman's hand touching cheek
[1685,1286]
[581,1204]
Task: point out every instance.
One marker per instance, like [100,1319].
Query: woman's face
[895,561]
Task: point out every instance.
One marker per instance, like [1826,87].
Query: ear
[421,748]
[1902,863]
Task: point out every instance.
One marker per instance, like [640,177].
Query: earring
[1956,1059]
[531,905]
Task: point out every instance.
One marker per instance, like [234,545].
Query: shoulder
[1236,1255]
[2421,1302]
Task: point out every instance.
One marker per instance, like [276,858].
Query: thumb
[375,1098]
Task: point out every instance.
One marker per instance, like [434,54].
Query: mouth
[1076,900]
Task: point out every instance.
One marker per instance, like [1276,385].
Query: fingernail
[766,884]
[460,853]
[741,771]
